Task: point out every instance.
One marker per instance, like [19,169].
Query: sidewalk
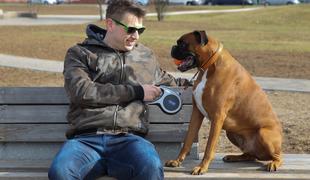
[267,83]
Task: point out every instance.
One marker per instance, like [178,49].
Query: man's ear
[201,37]
[108,24]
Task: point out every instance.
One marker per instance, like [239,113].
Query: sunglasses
[129,30]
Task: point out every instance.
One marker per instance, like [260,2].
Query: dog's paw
[198,170]
[273,166]
[173,163]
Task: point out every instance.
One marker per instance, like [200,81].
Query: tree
[33,9]
[102,7]
[160,6]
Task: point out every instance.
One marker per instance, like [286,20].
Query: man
[108,78]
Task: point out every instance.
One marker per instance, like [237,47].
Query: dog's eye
[183,45]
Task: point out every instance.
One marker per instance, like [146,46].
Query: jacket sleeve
[82,90]
[164,78]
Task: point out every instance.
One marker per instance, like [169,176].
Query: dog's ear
[201,36]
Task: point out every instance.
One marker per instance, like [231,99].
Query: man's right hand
[151,92]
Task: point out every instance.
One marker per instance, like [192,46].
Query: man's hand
[151,92]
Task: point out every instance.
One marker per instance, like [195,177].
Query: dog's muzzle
[187,59]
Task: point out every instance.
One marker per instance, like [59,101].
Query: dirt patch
[294,65]
[293,111]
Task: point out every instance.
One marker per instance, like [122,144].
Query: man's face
[122,39]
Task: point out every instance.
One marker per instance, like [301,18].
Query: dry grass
[11,77]
[45,42]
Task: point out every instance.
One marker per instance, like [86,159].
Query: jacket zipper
[122,61]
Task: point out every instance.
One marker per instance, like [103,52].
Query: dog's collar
[209,62]
[213,58]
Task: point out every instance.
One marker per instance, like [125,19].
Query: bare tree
[160,6]
[102,7]
[33,9]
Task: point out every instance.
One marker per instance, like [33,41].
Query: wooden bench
[33,124]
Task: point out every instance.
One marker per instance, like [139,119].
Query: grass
[285,28]
[274,29]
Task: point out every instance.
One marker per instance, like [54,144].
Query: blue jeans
[123,156]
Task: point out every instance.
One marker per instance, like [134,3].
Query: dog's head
[184,53]
[192,49]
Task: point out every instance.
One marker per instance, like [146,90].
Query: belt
[95,131]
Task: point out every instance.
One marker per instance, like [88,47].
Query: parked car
[142,2]
[280,2]
[46,1]
[187,2]
[198,2]
[60,1]
[231,2]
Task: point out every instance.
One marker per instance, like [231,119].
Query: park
[270,42]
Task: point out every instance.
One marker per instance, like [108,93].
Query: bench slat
[45,151]
[51,95]
[33,95]
[57,114]
[55,132]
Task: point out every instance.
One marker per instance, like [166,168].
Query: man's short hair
[117,8]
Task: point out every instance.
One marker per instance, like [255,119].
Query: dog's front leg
[216,125]
[192,133]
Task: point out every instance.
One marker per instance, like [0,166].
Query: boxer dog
[227,94]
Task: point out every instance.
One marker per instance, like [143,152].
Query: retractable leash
[169,100]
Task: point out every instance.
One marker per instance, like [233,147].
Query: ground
[293,111]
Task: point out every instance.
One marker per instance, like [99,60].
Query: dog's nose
[177,52]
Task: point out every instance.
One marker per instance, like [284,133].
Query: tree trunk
[160,6]
[102,8]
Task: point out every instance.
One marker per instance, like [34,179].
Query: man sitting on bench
[107,79]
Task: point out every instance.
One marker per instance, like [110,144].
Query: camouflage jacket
[104,85]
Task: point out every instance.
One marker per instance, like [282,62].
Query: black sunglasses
[130,30]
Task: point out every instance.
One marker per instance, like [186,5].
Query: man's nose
[135,35]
